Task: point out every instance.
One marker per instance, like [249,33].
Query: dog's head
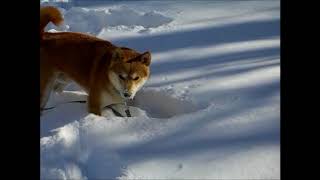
[129,71]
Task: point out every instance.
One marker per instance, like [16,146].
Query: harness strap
[114,111]
[128,112]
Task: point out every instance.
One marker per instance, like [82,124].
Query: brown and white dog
[109,74]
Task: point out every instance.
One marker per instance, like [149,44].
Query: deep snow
[210,110]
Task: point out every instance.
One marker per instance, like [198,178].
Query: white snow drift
[211,109]
[94,21]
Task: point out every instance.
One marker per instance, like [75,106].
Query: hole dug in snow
[162,104]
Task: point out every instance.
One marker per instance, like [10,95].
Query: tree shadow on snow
[209,64]
[245,31]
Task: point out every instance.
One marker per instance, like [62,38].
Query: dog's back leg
[47,77]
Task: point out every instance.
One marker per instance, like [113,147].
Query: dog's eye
[121,77]
[136,78]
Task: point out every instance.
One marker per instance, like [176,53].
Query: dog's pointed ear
[145,58]
[117,55]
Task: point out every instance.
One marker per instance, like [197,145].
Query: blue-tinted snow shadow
[208,64]
[174,66]
[61,116]
[245,31]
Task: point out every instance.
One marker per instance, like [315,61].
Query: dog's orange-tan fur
[93,63]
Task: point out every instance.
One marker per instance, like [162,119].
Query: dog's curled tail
[49,14]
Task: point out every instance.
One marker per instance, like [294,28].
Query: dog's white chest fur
[107,99]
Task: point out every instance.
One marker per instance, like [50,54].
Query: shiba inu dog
[109,74]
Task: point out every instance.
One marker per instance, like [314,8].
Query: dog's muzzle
[126,94]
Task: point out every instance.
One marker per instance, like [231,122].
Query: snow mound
[129,17]
[149,102]
[85,148]
[93,21]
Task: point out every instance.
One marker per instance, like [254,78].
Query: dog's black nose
[126,95]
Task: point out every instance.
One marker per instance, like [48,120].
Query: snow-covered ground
[211,109]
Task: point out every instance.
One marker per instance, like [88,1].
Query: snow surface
[211,109]
[93,21]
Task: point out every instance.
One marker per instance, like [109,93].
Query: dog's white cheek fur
[138,87]
[115,81]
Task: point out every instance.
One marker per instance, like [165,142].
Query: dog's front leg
[94,102]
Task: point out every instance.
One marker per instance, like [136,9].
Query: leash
[45,109]
[127,111]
